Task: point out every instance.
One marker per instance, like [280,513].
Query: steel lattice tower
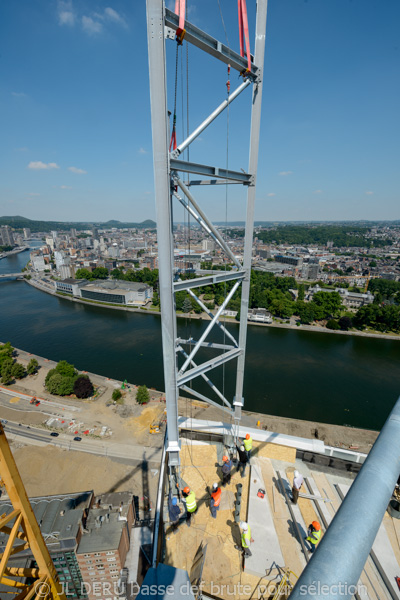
[162,24]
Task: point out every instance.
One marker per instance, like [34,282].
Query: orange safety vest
[216,496]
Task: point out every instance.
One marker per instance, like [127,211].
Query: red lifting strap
[172,143]
[244,31]
[180,11]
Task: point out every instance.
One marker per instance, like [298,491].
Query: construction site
[241,511]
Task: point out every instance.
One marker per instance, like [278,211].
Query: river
[345,380]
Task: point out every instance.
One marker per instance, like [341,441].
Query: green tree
[83,274]
[329,302]
[6,352]
[53,382]
[60,385]
[100,273]
[187,305]
[117,274]
[83,387]
[332,324]
[345,323]
[301,293]
[66,369]
[18,371]
[373,264]
[6,371]
[116,395]
[142,395]
[32,366]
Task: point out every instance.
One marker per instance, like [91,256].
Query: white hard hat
[242,448]
[243,525]
[296,474]
[215,485]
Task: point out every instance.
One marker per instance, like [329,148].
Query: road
[35,436]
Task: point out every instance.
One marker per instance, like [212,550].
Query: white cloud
[33,194]
[271,194]
[284,173]
[18,94]
[23,149]
[91,26]
[77,171]
[66,15]
[112,15]
[142,151]
[65,187]
[317,191]
[369,193]
[38,165]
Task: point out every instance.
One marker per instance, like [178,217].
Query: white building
[259,315]
[66,271]
[128,293]
[352,299]
[6,236]
[38,263]
[61,259]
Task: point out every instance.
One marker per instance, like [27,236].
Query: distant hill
[18,222]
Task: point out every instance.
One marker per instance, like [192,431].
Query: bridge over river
[11,276]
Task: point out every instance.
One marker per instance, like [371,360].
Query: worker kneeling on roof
[314,535]
[243,460]
[215,500]
[226,470]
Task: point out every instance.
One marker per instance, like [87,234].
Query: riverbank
[206,317]
[12,252]
[340,436]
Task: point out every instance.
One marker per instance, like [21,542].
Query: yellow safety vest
[246,538]
[248,444]
[191,502]
[315,537]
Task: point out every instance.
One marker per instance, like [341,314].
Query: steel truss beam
[208,328]
[189,390]
[207,366]
[203,220]
[212,182]
[191,342]
[206,42]
[166,165]
[210,314]
[208,280]
[191,167]
[209,119]
[206,379]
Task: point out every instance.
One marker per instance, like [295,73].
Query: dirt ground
[57,471]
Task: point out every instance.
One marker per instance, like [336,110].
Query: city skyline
[76,142]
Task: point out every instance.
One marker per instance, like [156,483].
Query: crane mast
[164,24]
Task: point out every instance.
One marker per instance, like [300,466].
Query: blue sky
[75,126]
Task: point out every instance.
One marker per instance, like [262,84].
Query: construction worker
[226,470]
[173,511]
[248,444]
[189,498]
[243,459]
[314,535]
[298,481]
[245,538]
[215,500]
